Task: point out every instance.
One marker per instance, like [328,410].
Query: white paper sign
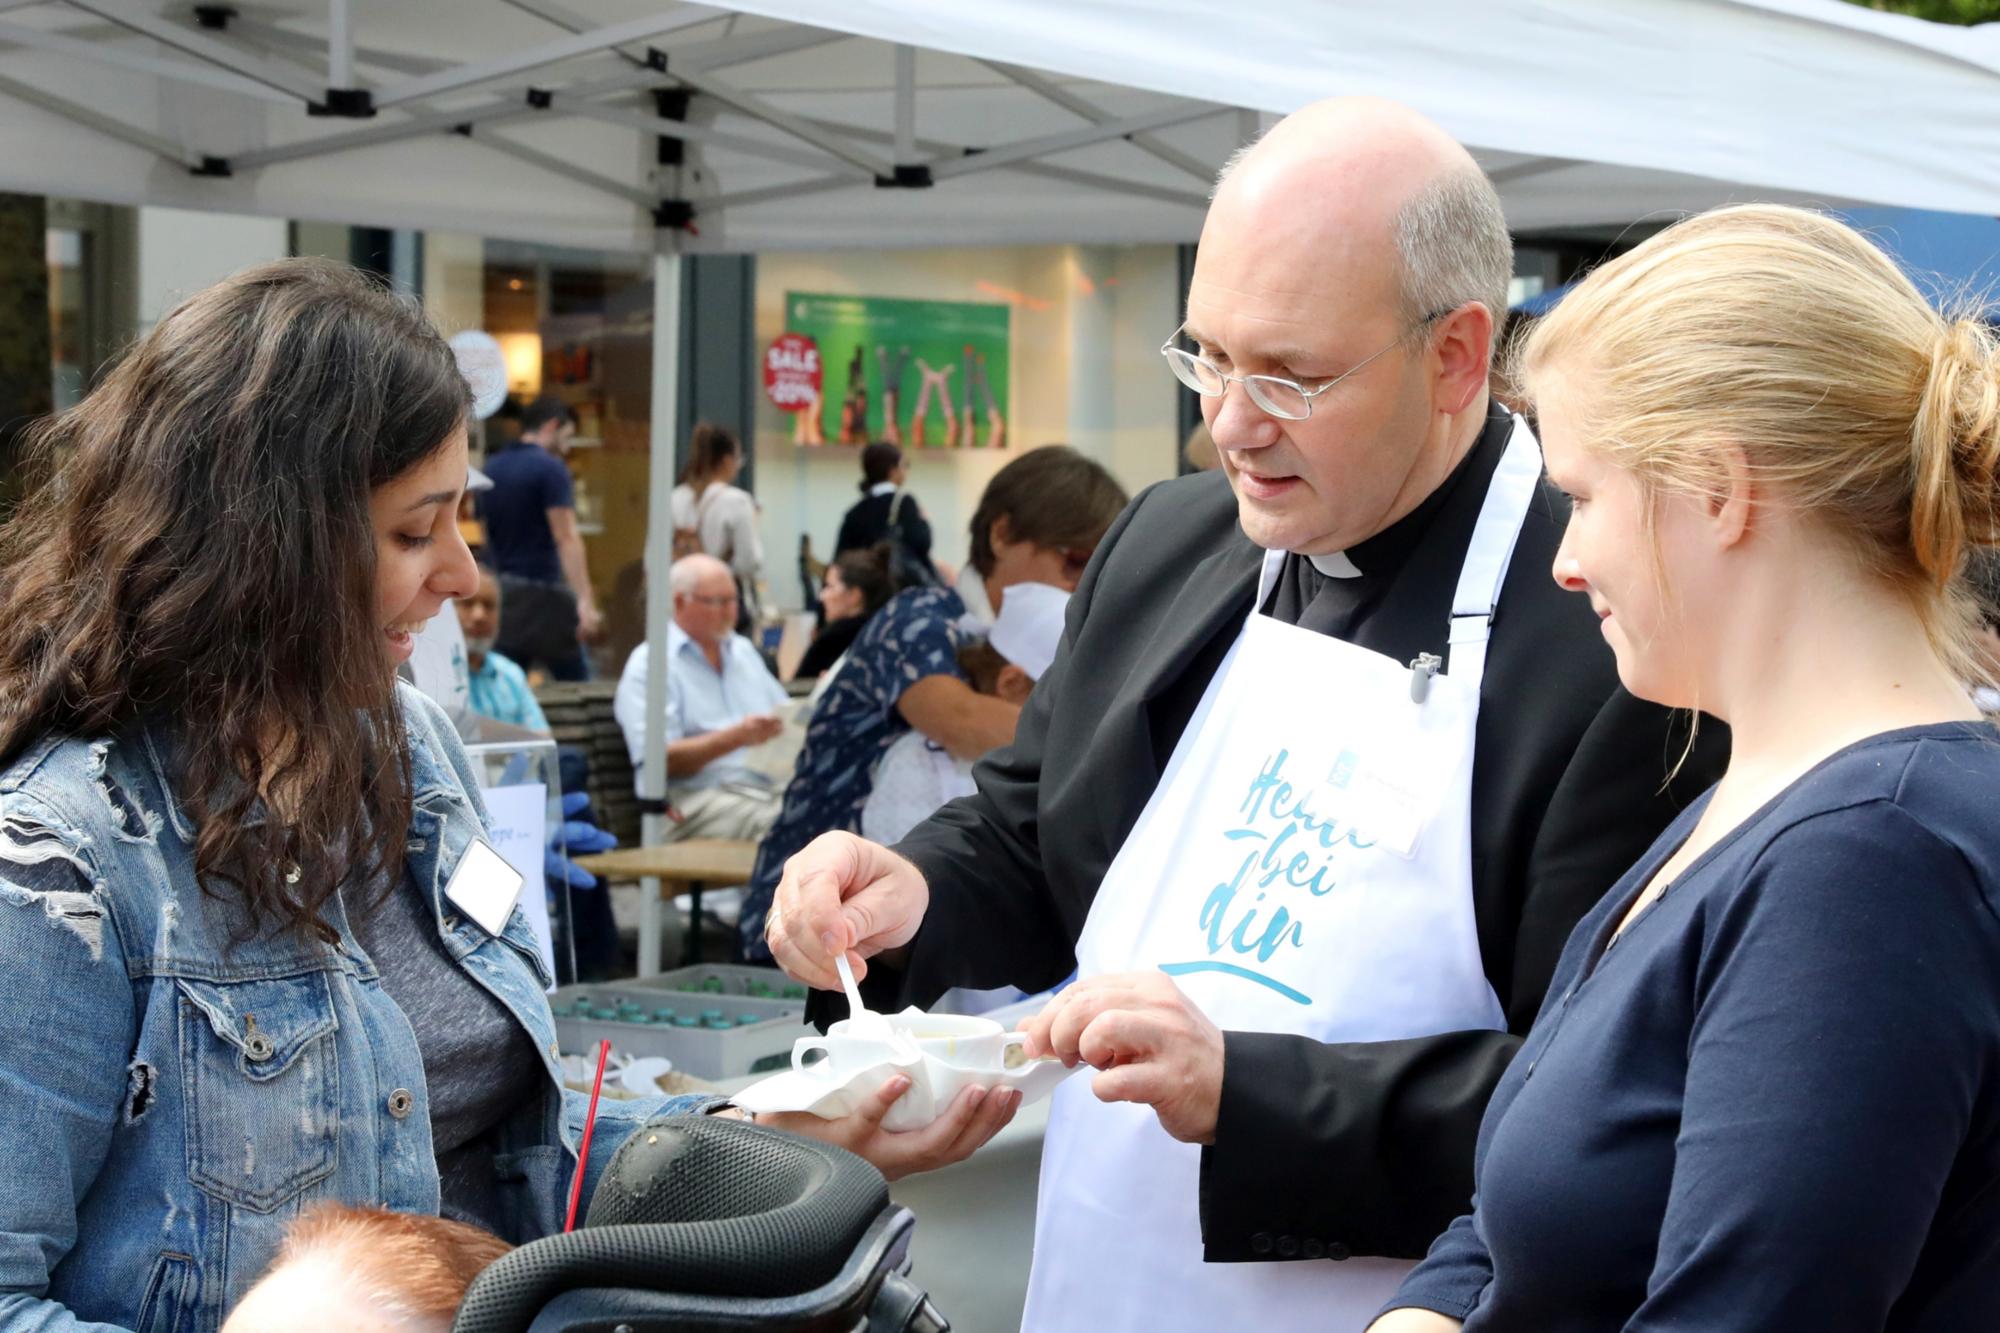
[520,832]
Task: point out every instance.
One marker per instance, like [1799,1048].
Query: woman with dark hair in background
[857,584]
[714,516]
[260,954]
[888,513]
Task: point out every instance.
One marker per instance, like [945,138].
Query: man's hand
[973,1117]
[1148,1041]
[758,728]
[842,894]
[589,622]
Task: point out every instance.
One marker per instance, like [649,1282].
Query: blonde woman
[1764,1091]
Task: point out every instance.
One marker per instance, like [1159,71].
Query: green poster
[923,374]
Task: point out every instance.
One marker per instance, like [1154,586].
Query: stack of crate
[580,715]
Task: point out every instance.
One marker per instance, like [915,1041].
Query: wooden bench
[670,869]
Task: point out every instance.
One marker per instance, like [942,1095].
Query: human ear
[1730,509]
[1014,684]
[1463,345]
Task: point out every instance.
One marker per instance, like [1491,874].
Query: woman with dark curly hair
[260,955]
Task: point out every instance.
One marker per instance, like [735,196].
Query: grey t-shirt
[479,1064]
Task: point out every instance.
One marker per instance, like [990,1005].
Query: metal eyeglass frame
[1179,357]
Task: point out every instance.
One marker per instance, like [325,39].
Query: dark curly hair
[196,554]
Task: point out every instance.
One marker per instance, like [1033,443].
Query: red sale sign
[792,372]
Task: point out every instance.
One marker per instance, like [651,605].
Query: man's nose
[1238,423]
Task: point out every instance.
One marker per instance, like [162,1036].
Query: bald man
[1323,775]
[721,700]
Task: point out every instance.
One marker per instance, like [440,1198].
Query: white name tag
[484,887]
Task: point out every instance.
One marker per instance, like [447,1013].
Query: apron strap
[1507,498]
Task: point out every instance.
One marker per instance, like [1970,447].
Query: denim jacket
[169,1102]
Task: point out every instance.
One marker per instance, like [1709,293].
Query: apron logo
[1293,849]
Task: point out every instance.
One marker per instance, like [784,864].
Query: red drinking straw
[589,1123]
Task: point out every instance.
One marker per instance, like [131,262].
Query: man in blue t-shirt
[549,610]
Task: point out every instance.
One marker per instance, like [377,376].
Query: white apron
[1303,866]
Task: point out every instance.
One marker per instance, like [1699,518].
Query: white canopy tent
[1094,121]
[748,125]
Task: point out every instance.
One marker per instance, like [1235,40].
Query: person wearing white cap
[916,775]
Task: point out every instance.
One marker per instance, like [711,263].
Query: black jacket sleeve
[1367,1147]
[992,918]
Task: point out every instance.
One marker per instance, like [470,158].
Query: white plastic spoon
[865,1023]
[862,1021]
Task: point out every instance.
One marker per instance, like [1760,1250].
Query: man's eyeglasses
[1280,397]
[728,599]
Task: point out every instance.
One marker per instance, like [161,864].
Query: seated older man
[720,701]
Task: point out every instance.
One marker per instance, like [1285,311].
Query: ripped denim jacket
[169,1102]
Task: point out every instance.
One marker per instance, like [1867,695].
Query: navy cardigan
[1775,1101]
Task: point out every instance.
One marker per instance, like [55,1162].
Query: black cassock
[1364,1148]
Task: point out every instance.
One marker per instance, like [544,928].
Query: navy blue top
[528,481]
[1774,1103]
[913,637]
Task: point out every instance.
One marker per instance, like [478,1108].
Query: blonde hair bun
[1787,335]
[1957,435]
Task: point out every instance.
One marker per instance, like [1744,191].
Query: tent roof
[1097,121]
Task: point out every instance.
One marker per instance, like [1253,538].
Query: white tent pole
[568,170]
[339,45]
[716,54]
[161,29]
[792,190]
[659,585]
[1047,144]
[160,67]
[1047,170]
[648,123]
[562,16]
[275,38]
[796,126]
[437,122]
[519,62]
[723,52]
[510,107]
[1051,91]
[1116,184]
[906,104]
[97,120]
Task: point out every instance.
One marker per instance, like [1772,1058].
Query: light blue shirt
[700,699]
[499,690]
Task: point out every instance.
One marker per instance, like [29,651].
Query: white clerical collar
[1335,565]
[882,488]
